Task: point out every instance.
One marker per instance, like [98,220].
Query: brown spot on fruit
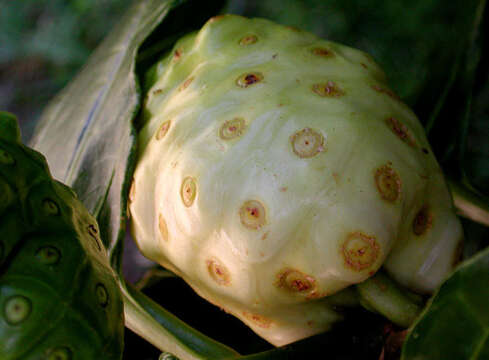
[283,189]
[157,91]
[425,151]
[360,251]
[264,236]
[216,18]
[329,89]
[248,40]
[162,227]
[295,281]
[249,79]
[232,129]
[219,273]
[307,143]
[388,183]
[252,214]
[258,320]
[188,191]
[422,221]
[386,91]
[323,52]
[401,131]
[177,54]
[363,65]
[163,130]
[186,83]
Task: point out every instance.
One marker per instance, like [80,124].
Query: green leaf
[456,323]
[167,332]
[86,131]
[58,293]
[449,128]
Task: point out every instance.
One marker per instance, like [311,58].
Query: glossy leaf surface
[59,297]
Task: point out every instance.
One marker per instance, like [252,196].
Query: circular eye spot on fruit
[163,227]
[328,89]
[232,129]
[186,83]
[188,191]
[322,51]
[258,320]
[422,221]
[252,214]
[163,129]
[102,295]
[386,91]
[248,40]
[388,183]
[17,309]
[218,272]
[48,255]
[249,79]
[49,207]
[6,158]
[307,143]
[401,131]
[177,54]
[360,251]
[295,281]
[60,353]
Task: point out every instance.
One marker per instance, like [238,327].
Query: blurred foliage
[42,45]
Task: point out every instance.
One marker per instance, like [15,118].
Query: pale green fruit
[277,168]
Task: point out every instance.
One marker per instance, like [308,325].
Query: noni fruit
[59,298]
[276,169]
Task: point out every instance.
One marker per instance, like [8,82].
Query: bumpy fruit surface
[59,298]
[277,168]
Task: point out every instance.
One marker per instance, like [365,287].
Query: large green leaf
[456,323]
[86,131]
[59,296]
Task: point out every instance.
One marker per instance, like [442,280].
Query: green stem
[382,295]
[166,332]
[469,204]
